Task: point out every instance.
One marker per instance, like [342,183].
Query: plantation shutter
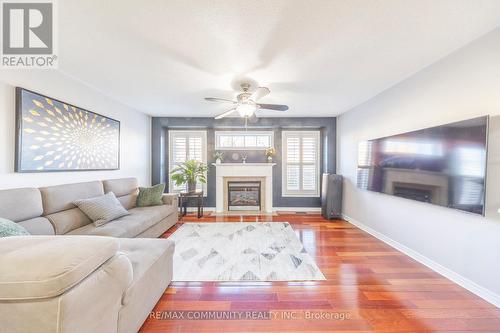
[364,164]
[301,163]
[183,146]
[293,163]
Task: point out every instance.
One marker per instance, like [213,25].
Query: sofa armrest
[92,305]
[171,199]
[56,264]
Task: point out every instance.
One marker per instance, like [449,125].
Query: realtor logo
[28,34]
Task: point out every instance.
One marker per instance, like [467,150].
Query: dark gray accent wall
[327,126]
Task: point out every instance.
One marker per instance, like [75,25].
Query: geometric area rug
[241,251]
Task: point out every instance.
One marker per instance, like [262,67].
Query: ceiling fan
[246,102]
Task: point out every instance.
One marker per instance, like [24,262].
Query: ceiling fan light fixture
[246,110]
[246,103]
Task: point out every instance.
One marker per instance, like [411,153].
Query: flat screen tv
[443,165]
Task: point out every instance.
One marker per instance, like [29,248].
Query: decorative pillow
[102,209]
[150,196]
[9,228]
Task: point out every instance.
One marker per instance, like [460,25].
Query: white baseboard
[275,209]
[464,282]
[205,209]
[297,209]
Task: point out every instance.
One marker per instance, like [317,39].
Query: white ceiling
[321,58]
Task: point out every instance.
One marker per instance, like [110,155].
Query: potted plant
[219,156]
[270,152]
[190,172]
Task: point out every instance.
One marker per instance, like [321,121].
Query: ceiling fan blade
[259,93]
[275,107]
[221,100]
[225,114]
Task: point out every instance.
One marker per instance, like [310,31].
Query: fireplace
[244,195]
[244,173]
[428,186]
[415,192]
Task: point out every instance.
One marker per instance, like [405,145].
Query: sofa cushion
[20,204]
[61,197]
[129,201]
[125,189]
[152,272]
[120,187]
[38,226]
[68,220]
[55,263]
[111,229]
[139,220]
[144,254]
[10,228]
[103,209]
[150,196]
[155,213]
[171,199]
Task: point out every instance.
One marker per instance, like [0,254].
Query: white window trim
[300,193]
[243,133]
[171,133]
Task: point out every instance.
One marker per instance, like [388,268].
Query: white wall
[135,128]
[463,85]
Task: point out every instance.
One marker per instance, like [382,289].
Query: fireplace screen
[243,196]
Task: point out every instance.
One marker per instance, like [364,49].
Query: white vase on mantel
[218,161]
[269,159]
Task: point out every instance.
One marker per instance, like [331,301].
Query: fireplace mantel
[240,171]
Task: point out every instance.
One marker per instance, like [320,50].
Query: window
[251,140]
[365,152]
[301,163]
[183,146]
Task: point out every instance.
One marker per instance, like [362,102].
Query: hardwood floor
[370,287]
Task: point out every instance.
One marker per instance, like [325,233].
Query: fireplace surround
[246,173]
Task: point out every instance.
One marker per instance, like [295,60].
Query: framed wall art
[56,136]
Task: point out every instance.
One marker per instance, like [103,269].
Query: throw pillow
[150,196]
[102,209]
[9,228]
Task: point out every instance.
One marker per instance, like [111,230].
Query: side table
[183,200]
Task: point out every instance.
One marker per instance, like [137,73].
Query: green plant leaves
[190,171]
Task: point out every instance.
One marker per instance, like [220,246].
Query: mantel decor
[56,136]
[219,156]
[270,152]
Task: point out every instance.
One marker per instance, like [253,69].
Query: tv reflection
[444,165]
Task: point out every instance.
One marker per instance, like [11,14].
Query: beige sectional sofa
[81,283]
[68,278]
[50,211]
